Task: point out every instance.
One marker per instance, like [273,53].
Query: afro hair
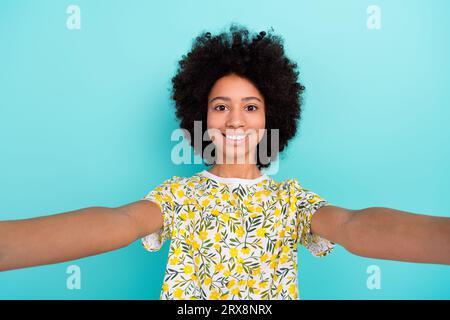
[257,57]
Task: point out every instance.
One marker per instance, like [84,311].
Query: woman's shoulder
[286,183]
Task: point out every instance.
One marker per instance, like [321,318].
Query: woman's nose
[235,119]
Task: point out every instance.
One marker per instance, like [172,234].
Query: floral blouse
[234,238]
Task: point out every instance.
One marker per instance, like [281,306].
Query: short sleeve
[307,203]
[164,197]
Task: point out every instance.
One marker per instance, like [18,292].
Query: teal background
[86,118]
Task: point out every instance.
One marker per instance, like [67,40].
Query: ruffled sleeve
[164,197]
[306,204]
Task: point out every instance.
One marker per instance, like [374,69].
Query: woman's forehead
[232,87]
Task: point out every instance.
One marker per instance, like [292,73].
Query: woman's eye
[253,107]
[221,106]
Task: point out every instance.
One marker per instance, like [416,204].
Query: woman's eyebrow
[228,99]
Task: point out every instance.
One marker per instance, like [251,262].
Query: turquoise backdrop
[86,118]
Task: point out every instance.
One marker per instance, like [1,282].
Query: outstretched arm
[385,233]
[75,234]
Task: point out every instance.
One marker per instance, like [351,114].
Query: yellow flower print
[188,269]
[219,267]
[180,193]
[189,199]
[175,186]
[276,225]
[231,284]
[173,261]
[214,295]
[195,245]
[178,293]
[277,212]
[292,207]
[279,288]
[278,244]
[225,217]
[203,234]
[261,232]
[240,231]
[264,257]
[291,288]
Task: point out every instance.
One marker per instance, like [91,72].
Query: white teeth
[236,137]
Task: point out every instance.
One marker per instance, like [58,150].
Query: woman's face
[236,119]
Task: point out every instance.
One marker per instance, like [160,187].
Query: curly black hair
[258,57]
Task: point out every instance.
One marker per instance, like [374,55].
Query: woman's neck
[242,171]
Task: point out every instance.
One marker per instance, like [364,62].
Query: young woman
[234,230]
